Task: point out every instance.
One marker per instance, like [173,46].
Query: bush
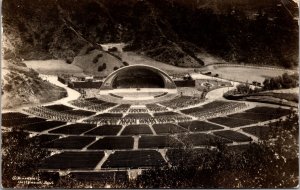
[285,81]
[102,67]
[20,156]
[69,60]
[113,49]
[116,68]
[96,59]
[125,63]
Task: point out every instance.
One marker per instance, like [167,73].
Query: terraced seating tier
[59,107]
[121,108]
[158,142]
[137,115]
[232,122]
[80,112]
[45,138]
[168,128]
[136,129]
[180,155]
[105,130]
[74,129]
[21,121]
[199,126]
[73,160]
[169,113]
[138,110]
[261,132]
[42,126]
[110,143]
[134,159]
[201,139]
[182,101]
[214,109]
[156,108]
[72,142]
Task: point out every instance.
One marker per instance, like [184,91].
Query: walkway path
[71,94]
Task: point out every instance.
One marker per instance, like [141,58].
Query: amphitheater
[137,121]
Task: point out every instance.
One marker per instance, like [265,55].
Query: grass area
[244,74]
[53,67]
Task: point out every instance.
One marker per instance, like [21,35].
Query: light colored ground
[119,46]
[289,91]
[72,94]
[244,74]
[53,67]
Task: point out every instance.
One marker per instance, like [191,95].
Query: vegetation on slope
[21,85]
[171,31]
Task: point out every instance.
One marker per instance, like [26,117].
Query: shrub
[69,60]
[116,68]
[113,49]
[96,59]
[125,63]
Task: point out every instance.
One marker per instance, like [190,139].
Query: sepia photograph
[129,94]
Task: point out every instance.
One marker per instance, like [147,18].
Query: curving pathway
[71,94]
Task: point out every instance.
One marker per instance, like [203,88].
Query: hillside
[24,86]
[170,31]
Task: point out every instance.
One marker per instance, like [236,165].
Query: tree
[20,156]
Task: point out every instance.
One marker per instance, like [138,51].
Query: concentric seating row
[64,115]
[214,109]
[182,101]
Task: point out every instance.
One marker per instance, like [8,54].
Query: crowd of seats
[92,104]
[136,130]
[251,116]
[167,128]
[42,126]
[261,132]
[105,118]
[199,126]
[182,101]
[105,130]
[70,142]
[112,143]
[58,107]
[214,109]
[21,121]
[158,142]
[73,129]
[73,160]
[156,108]
[232,122]
[138,110]
[170,117]
[68,115]
[120,109]
[135,118]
